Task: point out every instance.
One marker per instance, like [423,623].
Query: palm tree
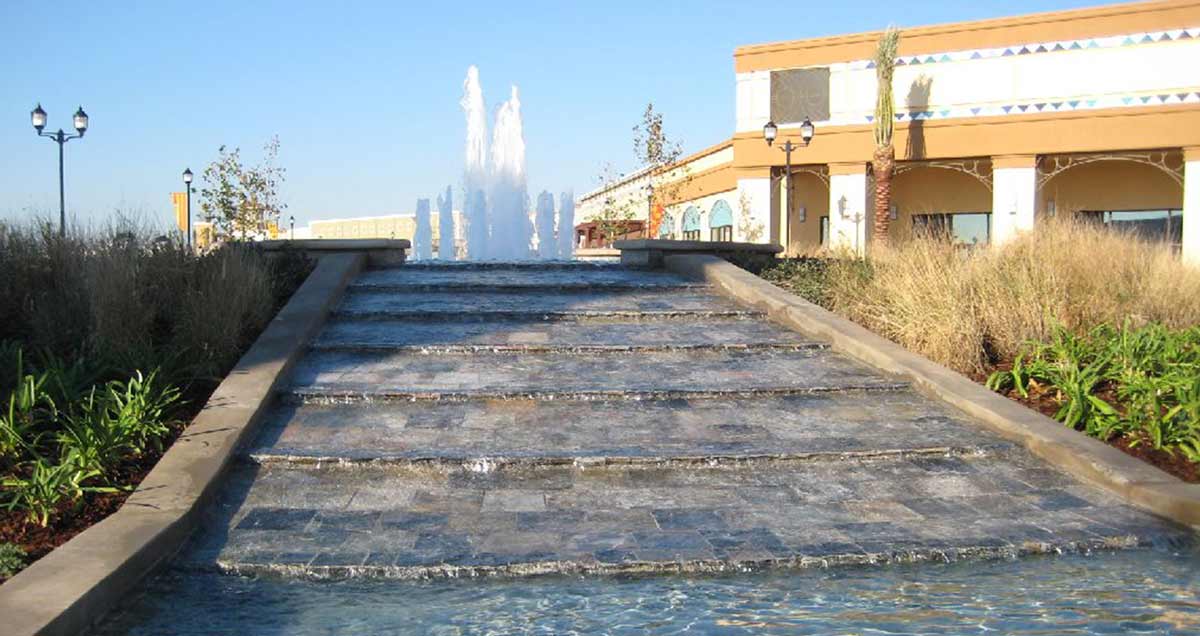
[884,161]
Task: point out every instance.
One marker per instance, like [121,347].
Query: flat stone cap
[338,245]
[665,245]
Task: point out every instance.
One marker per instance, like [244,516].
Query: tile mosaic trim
[1115,41]
[1190,96]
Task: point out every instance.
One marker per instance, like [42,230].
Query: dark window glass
[964,228]
[723,233]
[691,235]
[1165,226]
[825,231]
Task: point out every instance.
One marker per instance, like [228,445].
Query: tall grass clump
[972,309]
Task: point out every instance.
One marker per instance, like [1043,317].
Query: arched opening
[691,224]
[666,227]
[936,199]
[1129,196]
[720,222]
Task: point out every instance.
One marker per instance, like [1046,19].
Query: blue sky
[364,95]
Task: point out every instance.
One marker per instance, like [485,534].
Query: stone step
[379,522]
[825,427]
[346,375]
[541,336]
[459,278]
[536,302]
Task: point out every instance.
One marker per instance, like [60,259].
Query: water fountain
[423,236]
[496,201]
[446,233]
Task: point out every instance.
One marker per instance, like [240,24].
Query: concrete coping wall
[69,589]
[650,252]
[379,252]
[1084,457]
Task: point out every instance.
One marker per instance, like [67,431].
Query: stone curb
[1084,457]
[69,589]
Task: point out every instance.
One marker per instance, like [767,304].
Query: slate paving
[492,419]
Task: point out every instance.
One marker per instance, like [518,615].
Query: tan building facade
[999,123]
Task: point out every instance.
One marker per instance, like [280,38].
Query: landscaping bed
[109,345]
[1096,330]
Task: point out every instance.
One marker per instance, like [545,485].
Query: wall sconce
[1050,208]
[802,214]
[843,207]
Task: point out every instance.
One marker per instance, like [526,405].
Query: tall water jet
[509,217]
[566,225]
[446,236]
[546,245]
[475,177]
[423,236]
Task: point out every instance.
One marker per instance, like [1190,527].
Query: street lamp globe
[38,116]
[770,132]
[187,175]
[81,121]
[807,130]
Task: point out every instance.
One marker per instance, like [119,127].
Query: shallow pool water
[1148,591]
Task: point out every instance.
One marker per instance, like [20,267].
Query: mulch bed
[71,518]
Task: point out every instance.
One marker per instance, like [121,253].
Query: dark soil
[71,518]
[1047,403]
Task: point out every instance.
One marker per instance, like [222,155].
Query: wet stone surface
[517,374]
[526,335]
[416,524]
[451,277]
[524,427]
[579,303]
[529,431]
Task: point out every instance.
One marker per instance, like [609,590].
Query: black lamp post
[770,132]
[187,187]
[292,227]
[38,117]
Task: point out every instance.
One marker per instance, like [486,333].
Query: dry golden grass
[970,309]
[129,298]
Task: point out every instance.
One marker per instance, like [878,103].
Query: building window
[963,228]
[691,224]
[691,235]
[723,233]
[825,231]
[1161,226]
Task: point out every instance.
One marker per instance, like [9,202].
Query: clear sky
[364,95]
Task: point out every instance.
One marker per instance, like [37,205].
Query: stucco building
[999,123]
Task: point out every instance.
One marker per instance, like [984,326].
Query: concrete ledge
[68,589]
[380,252]
[650,252]
[1082,456]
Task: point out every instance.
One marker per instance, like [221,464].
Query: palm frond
[885,66]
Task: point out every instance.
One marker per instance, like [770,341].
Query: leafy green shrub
[12,559]
[47,486]
[1141,383]
[806,277]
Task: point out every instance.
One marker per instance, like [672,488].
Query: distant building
[392,226]
[999,123]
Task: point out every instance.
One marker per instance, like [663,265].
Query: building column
[1014,196]
[1191,206]
[753,212]
[848,214]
